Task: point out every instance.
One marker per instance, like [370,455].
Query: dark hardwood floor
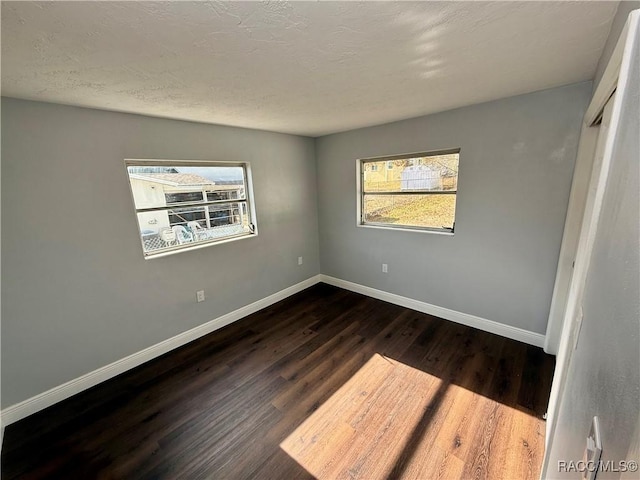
[326,384]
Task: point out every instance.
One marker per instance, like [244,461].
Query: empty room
[320,240]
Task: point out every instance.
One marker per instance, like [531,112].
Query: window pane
[182,216]
[218,175]
[423,173]
[169,228]
[228,213]
[432,211]
[159,186]
[183,197]
[171,203]
[226,192]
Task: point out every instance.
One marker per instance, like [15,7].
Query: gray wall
[76,291]
[516,164]
[603,377]
[624,8]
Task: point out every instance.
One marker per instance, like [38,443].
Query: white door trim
[614,79]
[609,80]
[577,198]
[571,235]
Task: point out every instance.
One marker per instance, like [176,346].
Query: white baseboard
[40,402]
[525,336]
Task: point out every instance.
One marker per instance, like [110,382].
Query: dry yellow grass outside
[434,211]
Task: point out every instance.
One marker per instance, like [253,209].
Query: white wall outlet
[385,268]
[200,296]
[299,260]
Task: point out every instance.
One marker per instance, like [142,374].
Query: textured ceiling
[303,68]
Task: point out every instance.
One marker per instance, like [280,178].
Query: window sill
[446,233]
[197,246]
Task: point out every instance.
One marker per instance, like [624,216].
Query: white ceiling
[303,68]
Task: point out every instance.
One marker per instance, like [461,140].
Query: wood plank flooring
[327,384]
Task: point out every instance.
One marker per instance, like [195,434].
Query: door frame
[617,68]
[578,196]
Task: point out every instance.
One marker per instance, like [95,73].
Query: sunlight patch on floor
[391,420]
[365,422]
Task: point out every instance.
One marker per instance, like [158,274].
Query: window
[415,191]
[182,205]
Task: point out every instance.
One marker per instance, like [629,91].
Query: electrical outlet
[299,260]
[385,268]
[200,296]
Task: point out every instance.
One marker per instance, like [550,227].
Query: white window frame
[173,249]
[360,169]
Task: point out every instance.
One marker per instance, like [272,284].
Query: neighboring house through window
[181,205]
[415,191]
